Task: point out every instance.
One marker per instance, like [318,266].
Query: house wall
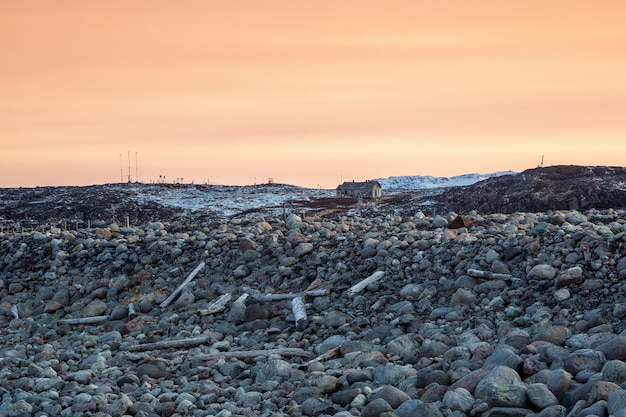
[371,192]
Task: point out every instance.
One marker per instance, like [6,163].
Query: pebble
[375,408]
[541,272]
[615,348]
[95,308]
[543,338]
[458,399]
[416,407]
[392,395]
[502,387]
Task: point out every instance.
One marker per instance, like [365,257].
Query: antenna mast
[129,166]
[136,168]
[121,170]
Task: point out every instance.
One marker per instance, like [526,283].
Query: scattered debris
[191,276]
[168,344]
[85,320]
[217,305]
[476,273]
[299,312]
[244,354]
[360,286]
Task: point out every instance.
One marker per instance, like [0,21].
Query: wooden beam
[181,286]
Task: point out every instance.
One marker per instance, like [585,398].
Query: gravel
[517,315]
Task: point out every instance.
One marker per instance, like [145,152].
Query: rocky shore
[482,315]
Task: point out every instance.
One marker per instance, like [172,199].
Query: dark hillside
[541,189]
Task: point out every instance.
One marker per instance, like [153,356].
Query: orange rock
[460,221]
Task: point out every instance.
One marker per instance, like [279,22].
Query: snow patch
[225,200]
[418,182]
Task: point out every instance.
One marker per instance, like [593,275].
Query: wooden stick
[291,295]
[318,292]
[216,305]
[15,312]
[176,343]
[85,320]
[477,273]
[360,286]
[253,353]
[382,301]
[275,297]
[299,312]
[242,298]
[181,286]
[324,356]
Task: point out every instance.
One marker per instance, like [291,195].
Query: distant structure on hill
[365,189]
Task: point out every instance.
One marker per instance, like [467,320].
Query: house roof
[358,186]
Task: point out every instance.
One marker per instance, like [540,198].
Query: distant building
[366,189]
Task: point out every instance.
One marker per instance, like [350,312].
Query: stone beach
[516,314]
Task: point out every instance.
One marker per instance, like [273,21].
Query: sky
[307,93]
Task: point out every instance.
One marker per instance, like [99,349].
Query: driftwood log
[324,356]
[360,286]
[243,354]
[477,273]
[191,276]
[15,312]
[175,343]
[291,295]
[85,320]
[383,301]
[217,305]
[299,312]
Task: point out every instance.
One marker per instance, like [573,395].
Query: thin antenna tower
[136,168]
[121,170]
[129,166]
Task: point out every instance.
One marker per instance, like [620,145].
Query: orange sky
[308,93]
